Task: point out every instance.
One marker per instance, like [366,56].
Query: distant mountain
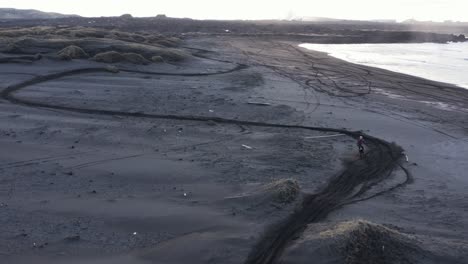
[391,21]
[331,20]
[12,13]
[446,22]
[317,19]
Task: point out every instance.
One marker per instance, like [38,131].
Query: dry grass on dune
[113,57]
[157,59]
[72,52]
[92,46]
[89,32]
[81,42]
[364,242]
[282,191]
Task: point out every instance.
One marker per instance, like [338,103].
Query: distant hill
[346,21]
[317,19]
[446,22]
[12,13]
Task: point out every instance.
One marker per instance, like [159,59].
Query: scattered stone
[43,245]
[35,245]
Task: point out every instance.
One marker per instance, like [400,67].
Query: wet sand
[157,164]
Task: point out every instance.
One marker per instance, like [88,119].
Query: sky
[435,10]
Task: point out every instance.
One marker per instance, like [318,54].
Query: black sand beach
[242,152]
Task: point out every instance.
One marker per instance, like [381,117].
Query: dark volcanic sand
[99,175]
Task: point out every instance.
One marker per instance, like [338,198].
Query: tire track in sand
[342,189]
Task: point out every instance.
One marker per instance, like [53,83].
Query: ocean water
[439,62]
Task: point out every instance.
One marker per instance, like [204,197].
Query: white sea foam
[439,62]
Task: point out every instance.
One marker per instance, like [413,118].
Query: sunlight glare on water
[439,62]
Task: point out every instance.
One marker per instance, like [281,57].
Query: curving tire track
[342,189]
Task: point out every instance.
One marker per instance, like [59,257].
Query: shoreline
[352,56]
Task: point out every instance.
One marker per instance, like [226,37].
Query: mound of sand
[114,57]
[112,69]
[277,193]
[72,52]
[365,242]
[82,32]
[135,58]
[282,191]
[30,31]
[157,59]
[355,242]
[109,57]
[30,45]
[126,16]
[167,42]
